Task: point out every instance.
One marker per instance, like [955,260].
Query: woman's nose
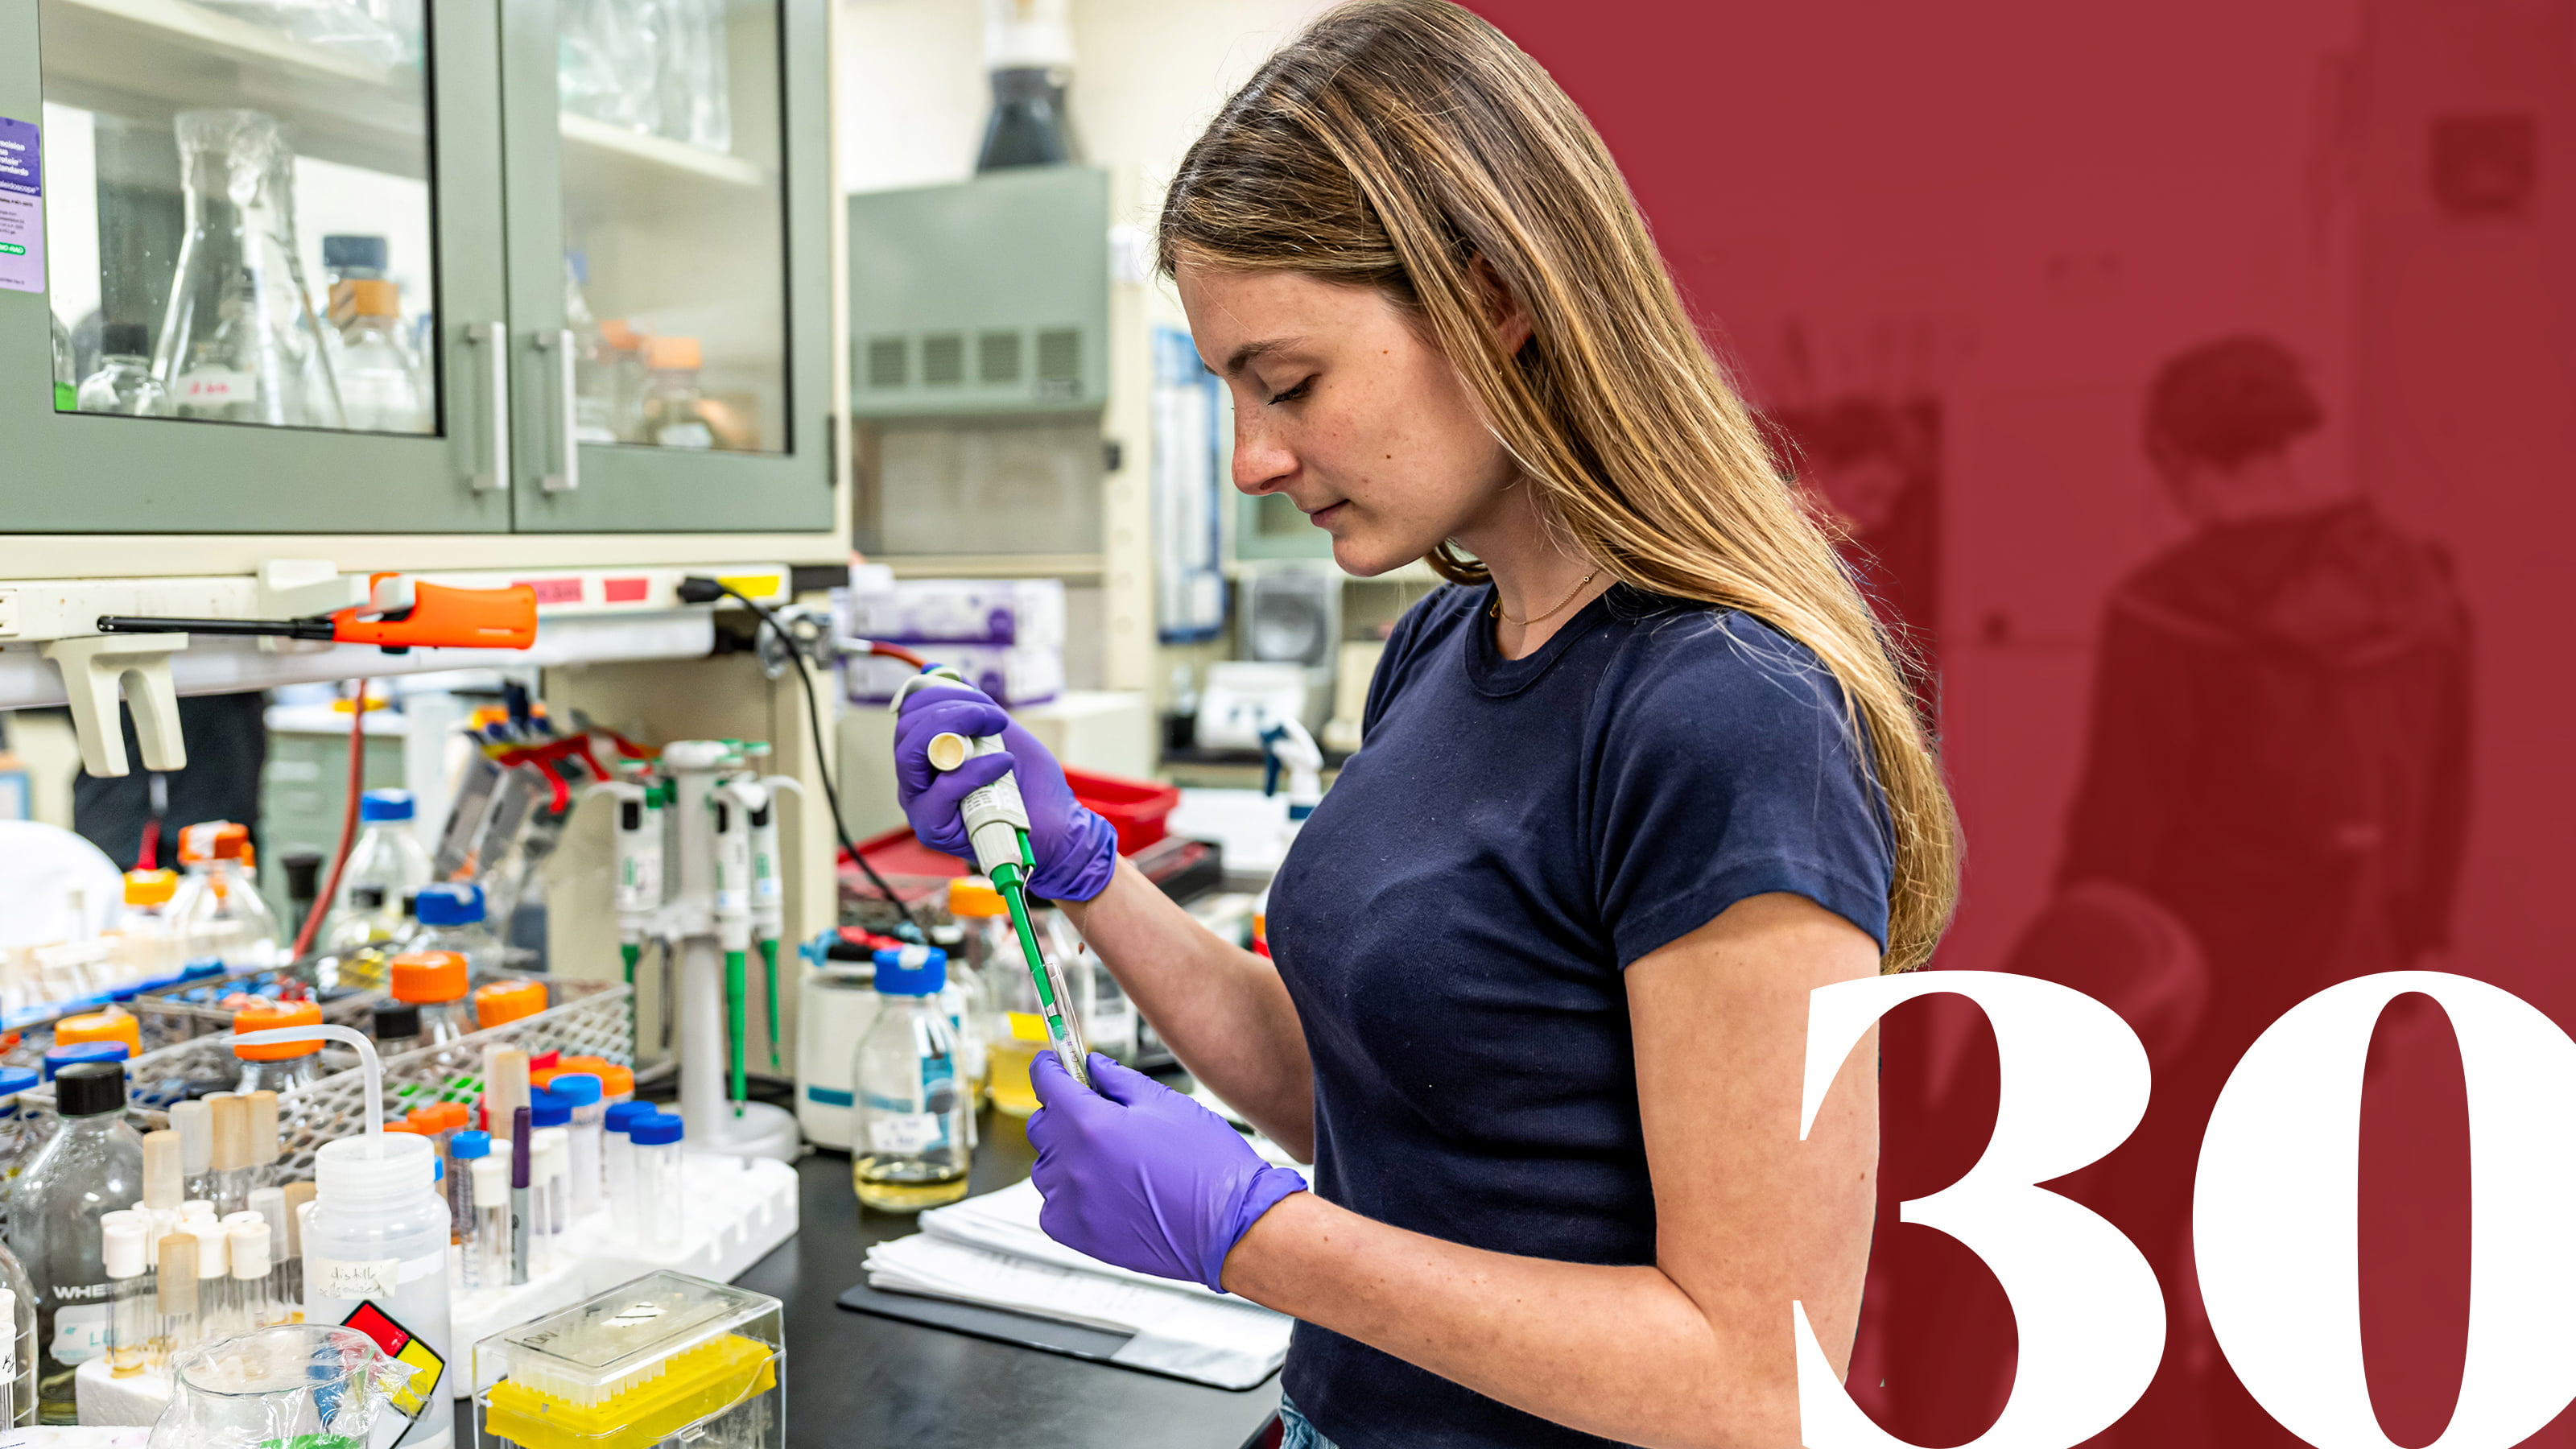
[1261,463]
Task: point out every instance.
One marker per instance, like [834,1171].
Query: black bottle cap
[396,1020]
[367,897]
[124,339]
[303,874]
[85,1089]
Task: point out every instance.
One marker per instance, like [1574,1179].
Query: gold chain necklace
[1579,586]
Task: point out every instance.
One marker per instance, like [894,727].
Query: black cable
[814,722]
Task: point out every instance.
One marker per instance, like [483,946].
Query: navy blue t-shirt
[1454,919]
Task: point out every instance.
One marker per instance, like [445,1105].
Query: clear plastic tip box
[663,1359]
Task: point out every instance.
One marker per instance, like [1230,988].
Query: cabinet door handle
[567,470]
[494,339]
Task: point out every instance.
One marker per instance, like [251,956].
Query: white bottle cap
[491,1182]
[195,1124]
[197,1209]
[250,1247]
[211,1237]
[121,1244]
[346,1176]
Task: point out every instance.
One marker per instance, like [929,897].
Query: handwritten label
[366,1278]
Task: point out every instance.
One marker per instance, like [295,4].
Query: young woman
[1643,776]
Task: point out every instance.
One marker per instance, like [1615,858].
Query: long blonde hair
[1399,144]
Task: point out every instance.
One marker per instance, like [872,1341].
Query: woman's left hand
[1141,1176]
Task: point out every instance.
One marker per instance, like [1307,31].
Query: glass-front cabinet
[370,266]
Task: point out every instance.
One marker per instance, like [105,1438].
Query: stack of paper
[990,1250]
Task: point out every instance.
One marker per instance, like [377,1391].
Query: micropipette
[997,825]
[733,920]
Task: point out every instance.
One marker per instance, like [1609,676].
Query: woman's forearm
[1620,1352]
[1222,1009]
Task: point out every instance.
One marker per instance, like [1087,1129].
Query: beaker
[302,1383]
[240,342]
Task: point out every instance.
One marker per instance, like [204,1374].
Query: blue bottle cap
[911,971]
[658,1130]
[202,968]
[343,252]
[470,1144]
[545,1109]
[57,1058]
[14,1080]
[377,806]
[449,905]
[624,1116]
[578,1089]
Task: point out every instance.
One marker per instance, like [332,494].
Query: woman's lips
[1323,517]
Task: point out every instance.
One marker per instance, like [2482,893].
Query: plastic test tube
[284,1289]
[464,1150]
[617,1164]
[218,1305]
[550,1168]
[136,1319]
[252,1271]
[657,1181]
[583,1092]
[487,1243]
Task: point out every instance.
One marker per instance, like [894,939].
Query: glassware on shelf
[696,105]
[608,56]
[350,29]
[674,415]
[347,260]
[240,341]
[380,384]
[124,383]
[595,361]
[66,370]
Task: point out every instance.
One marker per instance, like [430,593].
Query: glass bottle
[240,341]
[674,415]
[623,360]
[594,360]
[18,1355]
[148,931]
[348,259]
[387,860]
[451,919]
[909,1151]
[380,384]
[221,914]
[433,982]
[124,383]
[91,1165]
[278,1067]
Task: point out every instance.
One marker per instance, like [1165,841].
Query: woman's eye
[1294,393]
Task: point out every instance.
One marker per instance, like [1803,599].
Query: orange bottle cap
[213,840]
[672,354]
[101,1026]
[269,1016]
[621,334]
[150,887]
[972,895]
[375,299]
[615,1081]
[428,976]
[505,1001]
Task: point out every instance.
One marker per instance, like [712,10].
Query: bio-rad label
[22,207]
[355,1278]
[80,1331]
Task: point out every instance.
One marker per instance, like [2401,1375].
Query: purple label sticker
[22,207]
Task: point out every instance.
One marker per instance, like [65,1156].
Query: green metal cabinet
[456,145]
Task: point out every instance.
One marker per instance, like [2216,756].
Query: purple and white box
[1014,676]
[1017,613]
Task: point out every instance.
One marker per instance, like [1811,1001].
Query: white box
[1014,676]
[1001,612]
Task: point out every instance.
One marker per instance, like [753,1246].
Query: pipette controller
[997,826]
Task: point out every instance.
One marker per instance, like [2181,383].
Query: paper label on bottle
[363,1278]
[904,1131]
[22,207]
[80,1331]
[209,385]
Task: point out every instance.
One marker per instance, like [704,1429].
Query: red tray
[1135,808]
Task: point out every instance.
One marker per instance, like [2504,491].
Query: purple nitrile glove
[1143,1177]
[1076,850]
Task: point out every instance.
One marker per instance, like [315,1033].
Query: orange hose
[348,825]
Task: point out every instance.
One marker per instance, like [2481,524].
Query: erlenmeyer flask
[240,342]
[304,1383]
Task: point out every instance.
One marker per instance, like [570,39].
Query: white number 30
[2274,1222]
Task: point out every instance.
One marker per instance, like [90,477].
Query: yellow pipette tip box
[635,1366]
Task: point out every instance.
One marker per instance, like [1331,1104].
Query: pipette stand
[712,1123]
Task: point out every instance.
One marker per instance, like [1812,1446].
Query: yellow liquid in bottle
[1008,1062]
[902,1185]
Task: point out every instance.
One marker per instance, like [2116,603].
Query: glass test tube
[255,1301]
[178,1294]
[230,1178]
[195,1124]
[134,1319]
[218,1304]
[263,1139]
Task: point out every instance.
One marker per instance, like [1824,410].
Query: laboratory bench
[865,1382]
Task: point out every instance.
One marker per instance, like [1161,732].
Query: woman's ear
[1503,310]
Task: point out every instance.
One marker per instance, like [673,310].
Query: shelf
[1072,567]
[599,155]
[151,59]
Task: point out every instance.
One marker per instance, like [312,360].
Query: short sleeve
[1404,646]
[1727,769]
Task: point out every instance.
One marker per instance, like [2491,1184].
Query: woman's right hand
[1076,850]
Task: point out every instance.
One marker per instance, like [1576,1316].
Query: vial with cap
[487,1247]
[230,1168]
[218,1306]
[125,1249]
[263,1137]
[549,1245]
[252,1273]
[909,1144]
[617,1164]
[583,1092]
[195,1124]
[465,1152]
[661,1225]
[176,1286]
